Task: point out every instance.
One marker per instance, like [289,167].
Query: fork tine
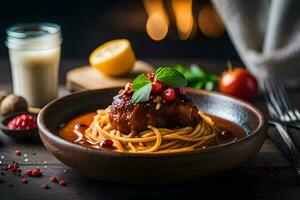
[280,101]
[271,94]
[290,109]
[290,112]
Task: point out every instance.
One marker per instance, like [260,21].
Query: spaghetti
[152,140]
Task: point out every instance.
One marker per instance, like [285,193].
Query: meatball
[128,117]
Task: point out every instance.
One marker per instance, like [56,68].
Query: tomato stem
[229,65]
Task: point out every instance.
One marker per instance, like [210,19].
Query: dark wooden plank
[246,183]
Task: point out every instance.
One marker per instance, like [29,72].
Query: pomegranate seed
[62,183]
[108,143]
[157,86]
[28,172]
[150,76]
[22,122]
[18,152]
[46,186]
[53,179]
[169,94]
[36,172]
[24,180]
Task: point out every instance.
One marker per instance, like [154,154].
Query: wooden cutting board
[88,78]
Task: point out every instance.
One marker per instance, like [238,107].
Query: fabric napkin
[266,34]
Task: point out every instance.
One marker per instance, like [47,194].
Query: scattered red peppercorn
[53,179]
[13,168]
[169,94]
[36,172]
[28,172]
[157,86]
[18,152]
[24,180]
[62,183]
[46,186]
[22,122]
[108,143]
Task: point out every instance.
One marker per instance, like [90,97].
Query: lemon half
[113,58]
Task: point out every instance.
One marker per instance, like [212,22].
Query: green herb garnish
[170,77]
[197,78]
[140,82]
[142,85]
[142,94]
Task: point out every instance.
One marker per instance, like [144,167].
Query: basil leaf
[142,94]
[209,85]
[213,77]
[139,82]
[197,71]
[170,77]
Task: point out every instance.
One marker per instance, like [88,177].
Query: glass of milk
[34,52]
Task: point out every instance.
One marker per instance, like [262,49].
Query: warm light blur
[157,24]
[156,27]
[209,22]
[184,17]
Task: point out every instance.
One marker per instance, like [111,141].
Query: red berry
[23,122]
[28,172]
[18,152]
[62,183]
[36,172]
[150,76]
[53,179]
[169,94]
[46,186]
[157,86]
[108,143]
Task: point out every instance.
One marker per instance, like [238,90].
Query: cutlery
[281,111]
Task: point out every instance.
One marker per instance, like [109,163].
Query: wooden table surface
[268,175]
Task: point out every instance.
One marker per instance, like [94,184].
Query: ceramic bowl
[151,168]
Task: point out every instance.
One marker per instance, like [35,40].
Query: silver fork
[281,111]
[287,112]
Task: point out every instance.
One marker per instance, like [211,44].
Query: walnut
[13,103]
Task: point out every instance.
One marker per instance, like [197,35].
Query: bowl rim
[44,130]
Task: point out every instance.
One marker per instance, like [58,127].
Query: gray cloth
[266,34]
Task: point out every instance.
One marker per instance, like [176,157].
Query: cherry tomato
[169,94]
[157,86]
[239,83]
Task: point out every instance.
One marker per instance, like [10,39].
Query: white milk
[35,75]
[34,62]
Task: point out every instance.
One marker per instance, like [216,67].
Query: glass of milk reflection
[34,52]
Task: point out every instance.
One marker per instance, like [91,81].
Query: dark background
[86,24]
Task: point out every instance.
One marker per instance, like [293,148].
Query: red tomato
[239,83]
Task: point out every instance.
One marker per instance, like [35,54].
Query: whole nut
[13,103]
